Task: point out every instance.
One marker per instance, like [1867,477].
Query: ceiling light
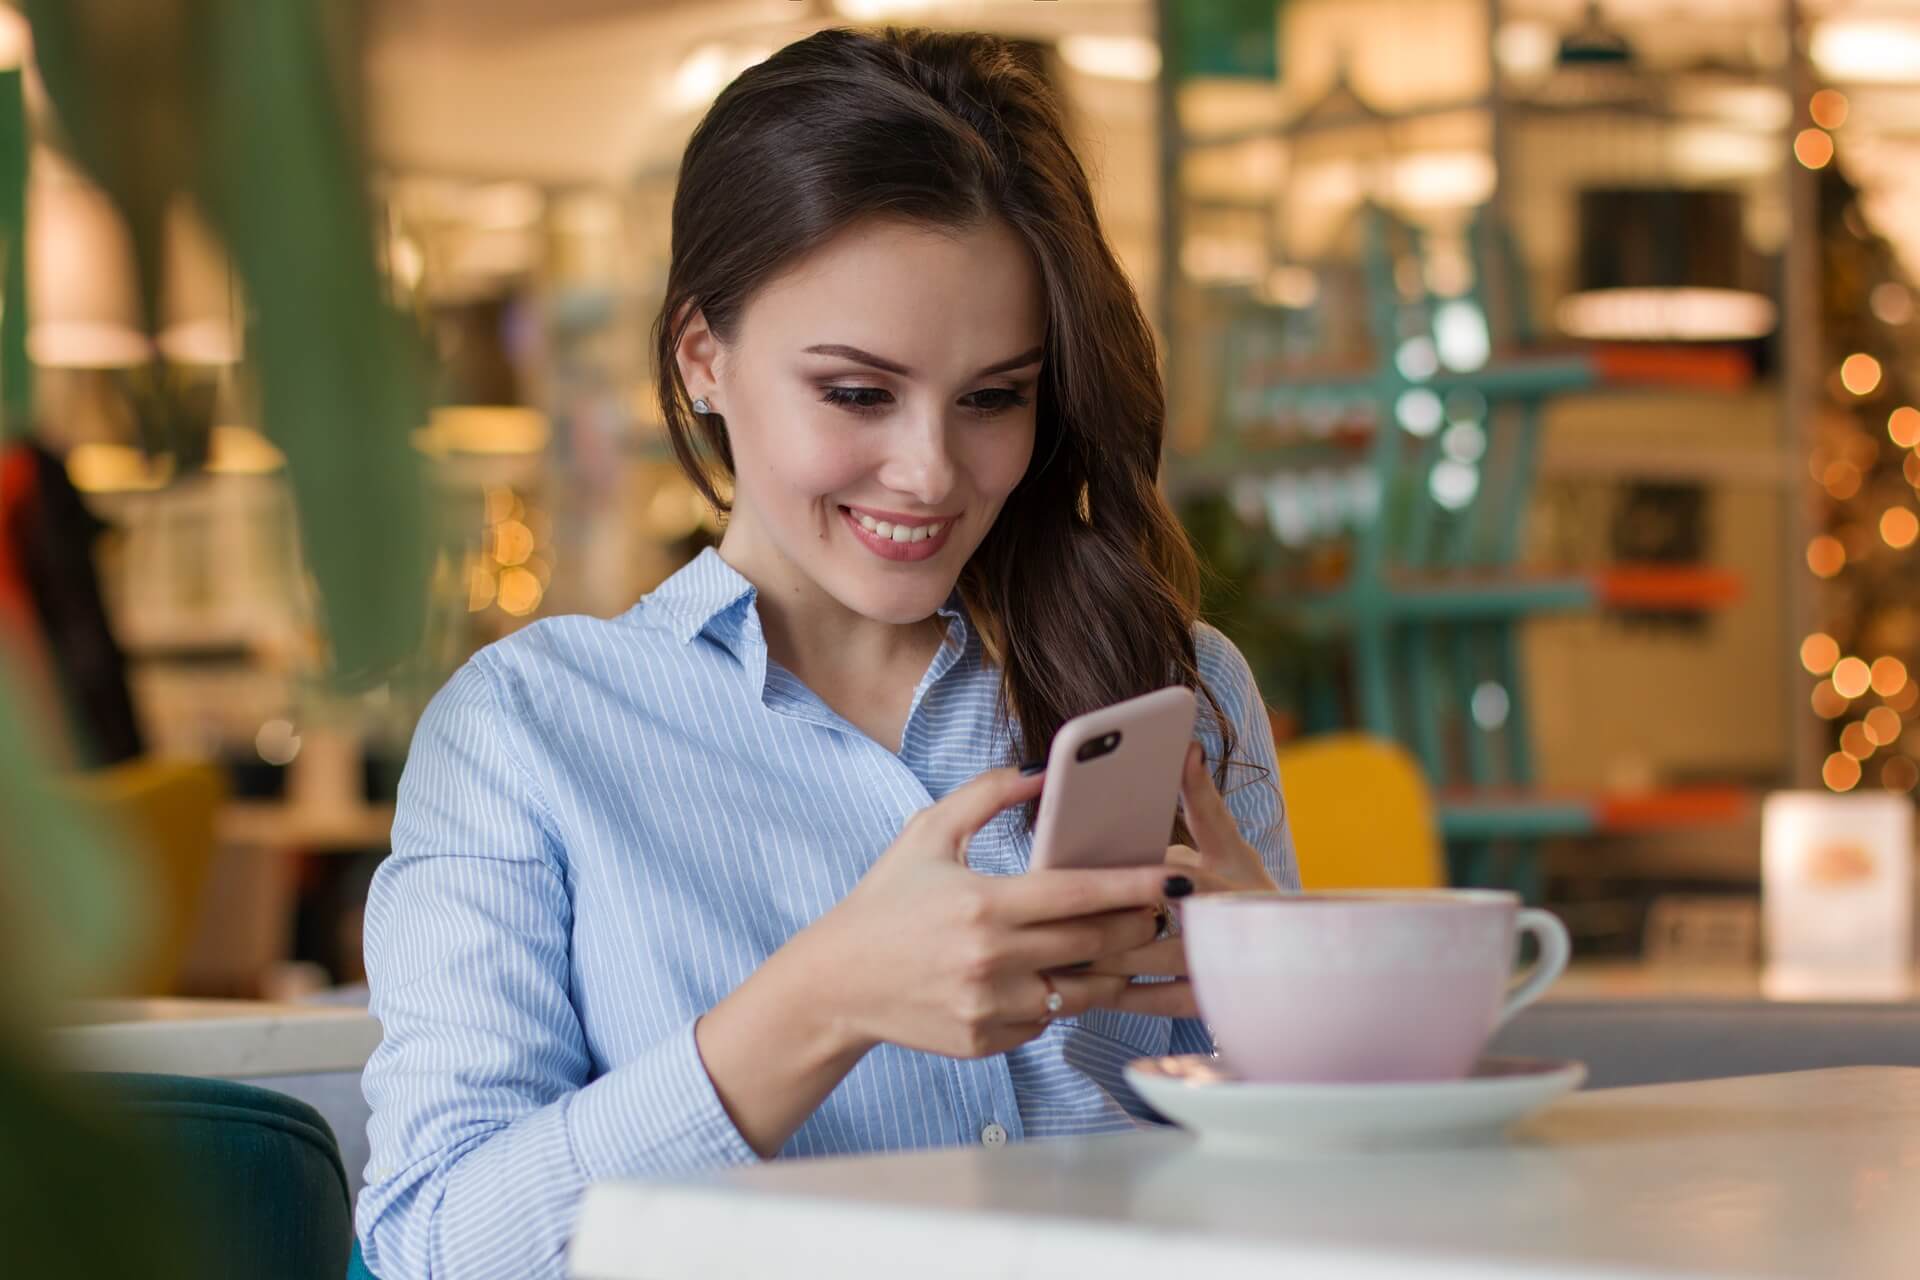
[1112,57]
[1869,50]
[1666,315]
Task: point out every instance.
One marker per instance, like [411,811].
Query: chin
[898,602]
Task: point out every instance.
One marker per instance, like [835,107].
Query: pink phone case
[1111,803]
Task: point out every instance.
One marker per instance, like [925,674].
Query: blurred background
[1543,394]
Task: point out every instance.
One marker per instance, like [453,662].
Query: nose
[919,462]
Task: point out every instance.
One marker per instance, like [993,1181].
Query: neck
[813,635]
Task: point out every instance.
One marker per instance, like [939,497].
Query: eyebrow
[858,356]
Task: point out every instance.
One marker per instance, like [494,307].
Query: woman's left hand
[1219,861]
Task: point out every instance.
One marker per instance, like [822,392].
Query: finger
[1214,831]
[1057,945]
[1078,992]
[1063,895]
[1205,879]
[970,806]
[1181,855]
[1166,958]
[1156,999]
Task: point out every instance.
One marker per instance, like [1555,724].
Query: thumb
[1208,819]
[954,819]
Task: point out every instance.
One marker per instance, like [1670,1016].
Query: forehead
[931,298]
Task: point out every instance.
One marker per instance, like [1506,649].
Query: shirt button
[993,1135]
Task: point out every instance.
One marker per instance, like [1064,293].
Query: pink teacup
[1362,986]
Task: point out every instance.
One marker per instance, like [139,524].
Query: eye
[995,400]
[858,399]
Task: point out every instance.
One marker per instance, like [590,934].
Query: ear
[698,356]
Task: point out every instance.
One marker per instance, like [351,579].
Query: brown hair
[1086,590]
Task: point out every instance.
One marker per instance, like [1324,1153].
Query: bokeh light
[1841,772]
[1828,108]
[1856,741]
[1899,527]
[1860,373]
[1814,149]
[1903,426]
[1825,556]
[1899,774]
[1818,653]
[1888,676]
[1828,702]
[1883,726]
[1852,677]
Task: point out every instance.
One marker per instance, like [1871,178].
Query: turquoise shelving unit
[1397,493]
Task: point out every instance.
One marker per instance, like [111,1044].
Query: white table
[1812,1174]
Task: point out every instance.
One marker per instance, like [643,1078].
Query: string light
[1903,426]
[1828,702]
[1828,108]
[1899,774]
[1841,479]
[1856,741]
[1841,772]
[1899,527]
[1852,677]
[1888,676]
[1825,556]
[1905,700]
[1818,653]
[1860,373]
[1883,726]
[1814,149]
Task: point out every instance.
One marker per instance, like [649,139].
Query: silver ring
[1055,1001]
[1169,922]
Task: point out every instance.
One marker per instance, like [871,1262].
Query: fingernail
[1032,767]
[1178,886]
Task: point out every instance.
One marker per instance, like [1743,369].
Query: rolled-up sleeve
[1252,789]
[488,1115]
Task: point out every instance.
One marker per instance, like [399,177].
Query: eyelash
[852,400]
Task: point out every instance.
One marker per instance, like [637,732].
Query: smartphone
[1113,782]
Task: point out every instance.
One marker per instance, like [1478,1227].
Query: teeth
[899,532]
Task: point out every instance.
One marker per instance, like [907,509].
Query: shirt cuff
[656,1115]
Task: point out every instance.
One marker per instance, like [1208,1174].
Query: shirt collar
[708,596]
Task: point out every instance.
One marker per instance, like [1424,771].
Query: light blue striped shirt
[604,827]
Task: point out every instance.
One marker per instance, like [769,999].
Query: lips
[902,538]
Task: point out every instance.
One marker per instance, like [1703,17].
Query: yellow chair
[165,811]
[1361,814]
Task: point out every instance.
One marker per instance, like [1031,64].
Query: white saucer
[1197,1092]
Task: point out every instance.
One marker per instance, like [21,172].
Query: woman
[741,873]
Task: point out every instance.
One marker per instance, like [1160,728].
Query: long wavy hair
[1086,589]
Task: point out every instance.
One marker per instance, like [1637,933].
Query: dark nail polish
[1178,886]
[1032,767]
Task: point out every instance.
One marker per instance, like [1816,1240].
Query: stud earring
[701,407]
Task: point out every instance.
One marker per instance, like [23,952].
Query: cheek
[802,461]
[997,460]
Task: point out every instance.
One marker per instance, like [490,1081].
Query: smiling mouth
[899,540]
[901,532]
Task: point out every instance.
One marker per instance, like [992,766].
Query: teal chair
[259,1173]
[357,1266]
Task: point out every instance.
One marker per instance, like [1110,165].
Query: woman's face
[879,398]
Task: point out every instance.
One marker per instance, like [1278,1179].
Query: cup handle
[1555,950]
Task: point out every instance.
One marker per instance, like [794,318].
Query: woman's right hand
[928,954]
